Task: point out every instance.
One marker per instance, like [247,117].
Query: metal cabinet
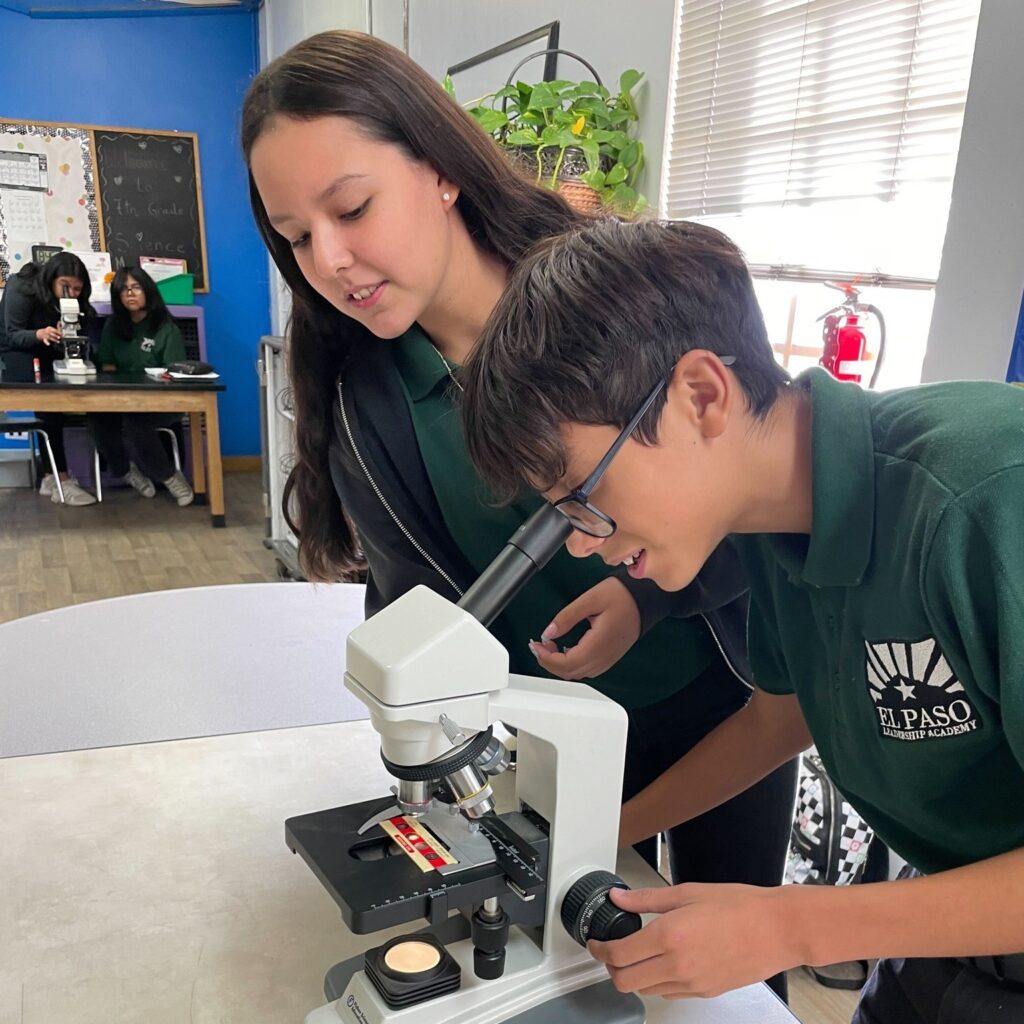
[277,432]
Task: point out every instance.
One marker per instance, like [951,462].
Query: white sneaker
[47,487]
[139,481]
[74,493]
[179,488]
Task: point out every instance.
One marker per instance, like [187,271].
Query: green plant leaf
[616,175]
[630,153]
[543,97]
[593,154]
[628,79]
[551,136]
[530,117]
[448,86]
[490,120]
[595,179]
[521,137]
[623,197]
[509,91]
[566,139]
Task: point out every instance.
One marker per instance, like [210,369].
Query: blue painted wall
[186,72]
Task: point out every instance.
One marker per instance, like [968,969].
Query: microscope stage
[378,889]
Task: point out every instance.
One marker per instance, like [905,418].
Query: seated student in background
[139,333]
[30,329]
[627,374]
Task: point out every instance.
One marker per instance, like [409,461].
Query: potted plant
[575,135]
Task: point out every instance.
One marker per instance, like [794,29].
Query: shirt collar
[838,550]
[842,482]
[419,364]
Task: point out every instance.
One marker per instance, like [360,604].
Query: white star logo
[906,689]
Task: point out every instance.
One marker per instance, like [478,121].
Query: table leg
[195,420]
[215,466]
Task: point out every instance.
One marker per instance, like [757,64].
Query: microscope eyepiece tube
[527,551]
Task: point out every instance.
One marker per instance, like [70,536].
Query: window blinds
[781,102]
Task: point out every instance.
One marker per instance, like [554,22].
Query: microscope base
[74,368]
[561,989]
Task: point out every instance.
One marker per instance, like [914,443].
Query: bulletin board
[47,191]
[89,188]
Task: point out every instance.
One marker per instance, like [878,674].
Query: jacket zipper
[725,657]
[384,501]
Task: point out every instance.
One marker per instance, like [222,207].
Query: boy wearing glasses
[881,537]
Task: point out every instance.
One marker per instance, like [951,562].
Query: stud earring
[446,196]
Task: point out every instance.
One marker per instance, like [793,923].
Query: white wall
[978,296]
[284,22]
[443,32]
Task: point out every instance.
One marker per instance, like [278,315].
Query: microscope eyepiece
[527,551]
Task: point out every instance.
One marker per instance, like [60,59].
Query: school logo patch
[147,344]
[916,694]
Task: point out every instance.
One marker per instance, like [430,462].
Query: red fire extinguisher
[843,337]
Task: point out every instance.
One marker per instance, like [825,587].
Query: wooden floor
[815,1004]
[52,556]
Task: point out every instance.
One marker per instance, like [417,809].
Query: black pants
[54,424]
[744,840]
[936,990]
[121,437]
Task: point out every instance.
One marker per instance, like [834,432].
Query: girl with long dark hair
[29,330]
[139,333]
[395,220]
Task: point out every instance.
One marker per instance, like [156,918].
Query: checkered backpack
[830,840]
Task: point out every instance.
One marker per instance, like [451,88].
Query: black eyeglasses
[576,505]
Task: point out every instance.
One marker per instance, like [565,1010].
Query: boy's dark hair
[588,323]
[157,312]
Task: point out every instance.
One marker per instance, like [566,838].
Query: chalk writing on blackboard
[150,198]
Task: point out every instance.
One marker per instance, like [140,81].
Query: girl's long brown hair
[348,74]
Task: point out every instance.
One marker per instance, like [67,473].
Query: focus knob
[588,913]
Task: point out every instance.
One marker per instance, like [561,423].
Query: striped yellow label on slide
[417,843]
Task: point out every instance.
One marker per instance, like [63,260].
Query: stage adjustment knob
[588,913]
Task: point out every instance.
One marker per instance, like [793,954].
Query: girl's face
[73,284]
[133,298]
[367,224]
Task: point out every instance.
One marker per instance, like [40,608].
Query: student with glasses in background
[139,334]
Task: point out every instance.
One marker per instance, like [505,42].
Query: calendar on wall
[47,191]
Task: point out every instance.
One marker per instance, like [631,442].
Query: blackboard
[150,198]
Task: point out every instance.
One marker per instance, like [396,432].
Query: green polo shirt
[146,347]
[668,657]
[899,622]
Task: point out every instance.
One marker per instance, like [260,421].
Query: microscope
[510,898]
[75,363]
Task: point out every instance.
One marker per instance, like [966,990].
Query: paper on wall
[162,267]
[23,214]
[98,266]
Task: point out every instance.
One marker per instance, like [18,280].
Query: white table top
[152,883]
